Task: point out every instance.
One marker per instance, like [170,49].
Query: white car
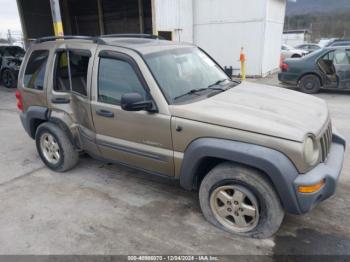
[291,52]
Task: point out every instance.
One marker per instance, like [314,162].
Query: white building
[222,27]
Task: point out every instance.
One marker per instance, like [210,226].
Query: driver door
[138,139]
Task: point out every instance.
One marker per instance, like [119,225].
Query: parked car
[291,52]
[339,42]
[10,62]
[308,47]
[326,68]
[252,152]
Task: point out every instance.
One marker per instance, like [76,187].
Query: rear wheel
[310,84]
[55,148]
[240,201]
[8,78]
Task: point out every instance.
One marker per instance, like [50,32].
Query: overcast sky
[9,18]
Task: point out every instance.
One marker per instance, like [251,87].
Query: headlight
[311,151]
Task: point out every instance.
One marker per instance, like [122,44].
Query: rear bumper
[287,78]
[328,171]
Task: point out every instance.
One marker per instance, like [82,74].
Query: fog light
[312,188]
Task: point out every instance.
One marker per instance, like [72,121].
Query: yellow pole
[242,58]
[56,17]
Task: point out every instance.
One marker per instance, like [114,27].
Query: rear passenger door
[71,88]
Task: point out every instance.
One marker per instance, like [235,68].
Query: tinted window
[116,78]
[35,72]
[71,69]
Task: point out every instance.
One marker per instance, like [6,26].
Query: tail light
[284,67]
[19,101]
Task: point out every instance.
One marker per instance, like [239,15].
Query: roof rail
[78,37]
[150,36]
[95,39]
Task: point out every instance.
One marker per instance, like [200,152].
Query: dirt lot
[105,209]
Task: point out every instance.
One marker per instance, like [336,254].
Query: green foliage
[322,25]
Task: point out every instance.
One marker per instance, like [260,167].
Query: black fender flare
[275,165]
[33,114]
[42,114]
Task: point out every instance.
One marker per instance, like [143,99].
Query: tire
[8,78]
[258,193]
[296,56]
[310,84]
[50,140]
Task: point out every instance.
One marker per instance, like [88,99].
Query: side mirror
[135,102]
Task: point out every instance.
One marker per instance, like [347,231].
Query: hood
[261,109]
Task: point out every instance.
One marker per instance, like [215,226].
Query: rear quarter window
[34,74]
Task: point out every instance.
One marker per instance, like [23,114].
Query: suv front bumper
[329,172]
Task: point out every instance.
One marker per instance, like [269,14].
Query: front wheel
[241,201]
[310,84]
[8,78]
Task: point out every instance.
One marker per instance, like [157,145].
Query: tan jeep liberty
[253,152]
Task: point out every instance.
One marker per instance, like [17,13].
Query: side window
[35,71]
[61,81]
[116,78]
[79,68]
[71,72]
[341,57]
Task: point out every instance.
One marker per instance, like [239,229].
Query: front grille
[326,142]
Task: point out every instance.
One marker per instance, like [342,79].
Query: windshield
[14,51]
[179,72]
[287,47]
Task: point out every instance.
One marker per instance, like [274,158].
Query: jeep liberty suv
[253,152]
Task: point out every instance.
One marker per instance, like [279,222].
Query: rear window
[35,71]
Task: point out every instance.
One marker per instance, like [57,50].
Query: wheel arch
[37,115]
[275,166]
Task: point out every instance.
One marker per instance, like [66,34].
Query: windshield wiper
[191,92]
[218,82]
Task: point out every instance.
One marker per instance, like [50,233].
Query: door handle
[60,100]
[104,113]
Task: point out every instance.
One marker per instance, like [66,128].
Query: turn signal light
[312,188]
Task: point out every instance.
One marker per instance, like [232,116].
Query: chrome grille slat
[326,142]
